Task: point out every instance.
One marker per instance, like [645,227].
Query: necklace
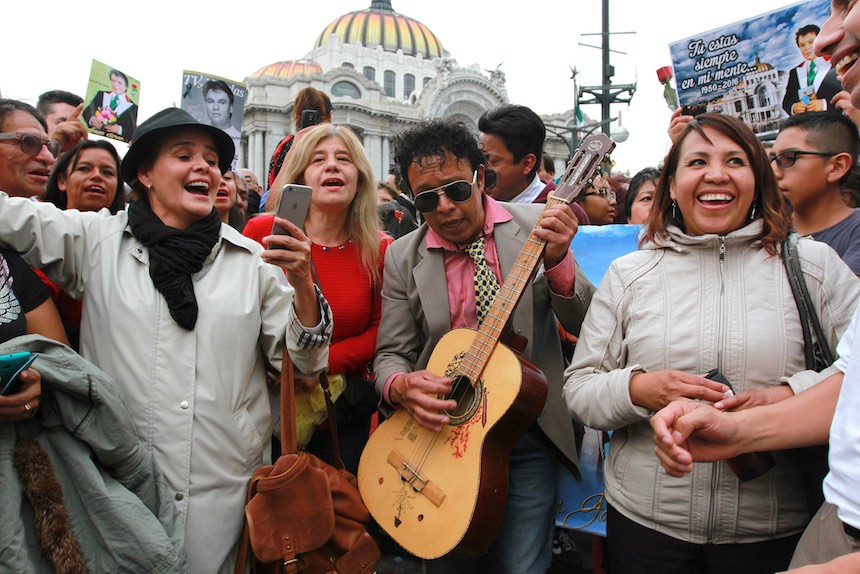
[326,248]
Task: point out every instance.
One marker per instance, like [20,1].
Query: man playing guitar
[428,289]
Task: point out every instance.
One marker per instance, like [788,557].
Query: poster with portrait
[111,103]
[215,101]
[760,70]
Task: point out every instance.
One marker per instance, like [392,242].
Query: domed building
[755,99]
[384,72]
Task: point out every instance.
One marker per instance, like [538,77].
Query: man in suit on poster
[219,101]
[429,287]
[811,85]
[115,105]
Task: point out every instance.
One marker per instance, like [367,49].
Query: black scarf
[174,254]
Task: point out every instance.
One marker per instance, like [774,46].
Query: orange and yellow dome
[288,69]
[380,25]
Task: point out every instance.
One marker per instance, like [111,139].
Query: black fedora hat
[147,135]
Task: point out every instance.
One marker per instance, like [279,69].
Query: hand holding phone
[749,465]
[11,367]
[293,206]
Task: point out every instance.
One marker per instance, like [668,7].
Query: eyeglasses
[604,192]
[787,158]
[457,191]
[31,144]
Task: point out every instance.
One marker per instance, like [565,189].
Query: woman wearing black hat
[184,313]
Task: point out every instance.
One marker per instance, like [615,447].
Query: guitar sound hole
[464,393]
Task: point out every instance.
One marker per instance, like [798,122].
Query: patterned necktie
[114,102]
[810,75]
[486,284]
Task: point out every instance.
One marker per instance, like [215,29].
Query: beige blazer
[415,315]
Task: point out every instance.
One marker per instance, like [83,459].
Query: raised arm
[60,243]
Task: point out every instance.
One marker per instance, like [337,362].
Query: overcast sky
[51,44]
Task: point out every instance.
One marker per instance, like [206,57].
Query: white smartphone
[293,206]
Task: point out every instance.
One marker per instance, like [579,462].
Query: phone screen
[11,366]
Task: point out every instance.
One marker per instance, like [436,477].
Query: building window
[347,89]
[369,73]
[348,66]
[389,83]
[408,85]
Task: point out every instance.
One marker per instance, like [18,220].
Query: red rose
[664,74]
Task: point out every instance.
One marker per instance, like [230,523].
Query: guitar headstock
[583,166]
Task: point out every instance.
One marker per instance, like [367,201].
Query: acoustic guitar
[440,492]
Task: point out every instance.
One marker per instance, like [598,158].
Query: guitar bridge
[418,483]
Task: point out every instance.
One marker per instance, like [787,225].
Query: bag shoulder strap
[817,351]
[332,422]
[288,405]
[329,403]
[288,411]
[288,438]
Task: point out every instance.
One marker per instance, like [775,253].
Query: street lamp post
[606,93]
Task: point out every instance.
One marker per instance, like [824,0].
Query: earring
[752,212]
[674,210]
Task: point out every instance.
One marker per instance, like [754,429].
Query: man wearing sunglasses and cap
[436,279]
[26,153]
[811,157]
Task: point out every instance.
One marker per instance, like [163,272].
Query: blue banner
[581,505]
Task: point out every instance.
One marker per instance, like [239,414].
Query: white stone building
[756,99]
[384,72]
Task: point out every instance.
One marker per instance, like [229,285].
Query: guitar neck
[577,176]
[506,301]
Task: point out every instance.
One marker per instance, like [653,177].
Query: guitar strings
[423,448]
[482,346]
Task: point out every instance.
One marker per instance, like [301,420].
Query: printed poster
[215,101]
[760,70]
[113,97]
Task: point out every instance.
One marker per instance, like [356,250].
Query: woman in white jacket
[708,290]
[184,313]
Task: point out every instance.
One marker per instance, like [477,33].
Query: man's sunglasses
[457,191]
[787,158]
[31,144]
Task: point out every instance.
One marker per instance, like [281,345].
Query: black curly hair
[433,140]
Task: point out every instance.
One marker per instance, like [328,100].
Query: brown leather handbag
[303,515]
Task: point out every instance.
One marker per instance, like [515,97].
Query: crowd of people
[159,297]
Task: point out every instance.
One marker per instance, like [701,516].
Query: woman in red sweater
[347,252]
